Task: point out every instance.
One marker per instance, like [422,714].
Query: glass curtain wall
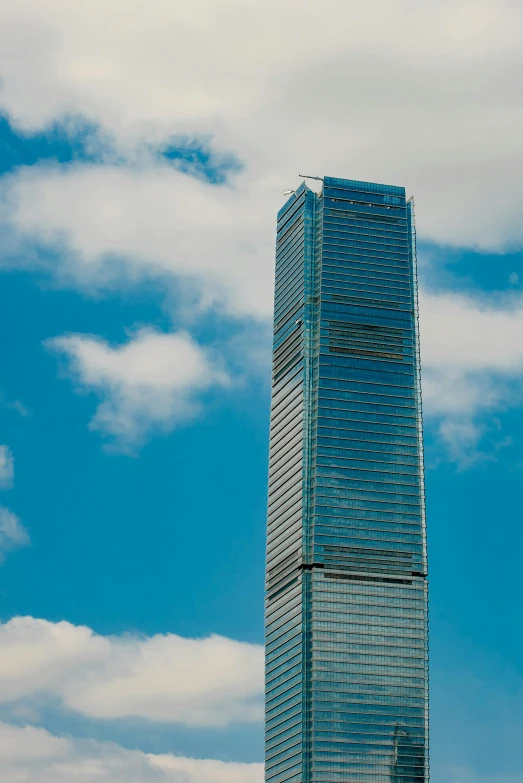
[346,605]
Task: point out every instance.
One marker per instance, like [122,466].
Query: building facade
[346,600]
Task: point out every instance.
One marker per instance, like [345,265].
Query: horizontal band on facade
[385,577]
[367,578]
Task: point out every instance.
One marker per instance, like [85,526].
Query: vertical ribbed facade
[346,607]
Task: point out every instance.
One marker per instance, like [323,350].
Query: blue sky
[140,174]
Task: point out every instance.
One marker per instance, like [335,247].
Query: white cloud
[151,382]
[429,97]
[200,682]
[116,223]
[470,351]
[207,771]
[472,363]
[462,438]
[33,754]
[12,532]
[6,468]
[464,333]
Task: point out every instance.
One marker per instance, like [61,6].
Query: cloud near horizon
[33,754]
[196,682]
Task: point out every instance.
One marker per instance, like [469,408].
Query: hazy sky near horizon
[144,151]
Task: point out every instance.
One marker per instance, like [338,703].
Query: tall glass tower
[346,601]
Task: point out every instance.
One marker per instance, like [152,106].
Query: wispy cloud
[6,468]
[19,407]
[150,383]
[12,533]
[198,682]
[469,775]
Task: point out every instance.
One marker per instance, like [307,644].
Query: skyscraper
[346,602]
